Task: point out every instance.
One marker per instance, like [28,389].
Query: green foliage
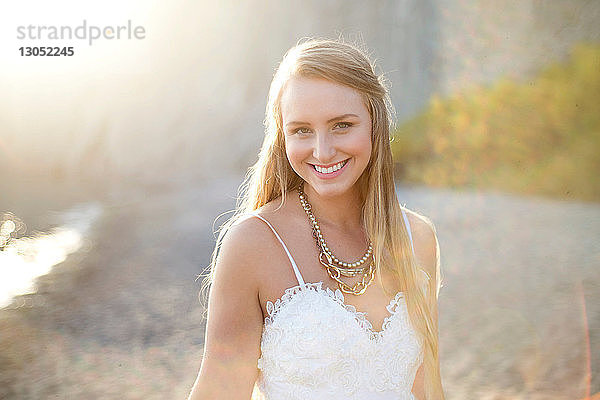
[536,137]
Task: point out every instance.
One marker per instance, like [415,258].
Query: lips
[330,170]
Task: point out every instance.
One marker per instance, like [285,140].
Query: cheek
[296,152]
[361,147]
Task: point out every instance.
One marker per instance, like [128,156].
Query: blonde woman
[322,286]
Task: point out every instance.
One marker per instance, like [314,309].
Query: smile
[330,169]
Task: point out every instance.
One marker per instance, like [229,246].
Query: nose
[324,149]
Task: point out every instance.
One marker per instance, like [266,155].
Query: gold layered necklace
[335,267]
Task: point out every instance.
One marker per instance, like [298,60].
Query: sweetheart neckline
[338,297]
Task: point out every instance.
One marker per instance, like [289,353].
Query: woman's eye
[302,131]
[343,125]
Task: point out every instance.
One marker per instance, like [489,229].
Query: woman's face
[327,130]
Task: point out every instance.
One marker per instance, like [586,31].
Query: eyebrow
[330,121]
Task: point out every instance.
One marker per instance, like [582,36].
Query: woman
[322,285]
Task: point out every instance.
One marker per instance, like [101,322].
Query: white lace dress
[314,346]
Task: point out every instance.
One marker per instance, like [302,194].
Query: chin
[330,189]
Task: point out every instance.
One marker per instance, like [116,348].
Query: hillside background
[189,99]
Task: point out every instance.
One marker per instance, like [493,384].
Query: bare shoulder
[425,242]
[249,243]
[235,272]
[245,243]
[419,223]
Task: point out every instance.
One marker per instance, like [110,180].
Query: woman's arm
[234,324]
[428,257]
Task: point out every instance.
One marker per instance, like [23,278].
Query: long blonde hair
[272,176]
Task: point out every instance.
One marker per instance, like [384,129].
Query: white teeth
[330,169]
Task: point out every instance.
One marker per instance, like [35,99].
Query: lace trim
[337,295]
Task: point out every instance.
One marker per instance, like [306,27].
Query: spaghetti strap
[296,271]
[408,229]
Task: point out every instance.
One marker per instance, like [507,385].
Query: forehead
[309,99]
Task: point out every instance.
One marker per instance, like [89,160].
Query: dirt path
[517,271]
[122,321]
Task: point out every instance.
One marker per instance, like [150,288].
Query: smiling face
[327,130]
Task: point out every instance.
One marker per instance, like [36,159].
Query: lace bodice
[315,346]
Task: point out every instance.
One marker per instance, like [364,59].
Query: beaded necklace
[335,267]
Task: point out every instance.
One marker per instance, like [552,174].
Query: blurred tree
[540,136]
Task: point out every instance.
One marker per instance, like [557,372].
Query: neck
[343,211]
